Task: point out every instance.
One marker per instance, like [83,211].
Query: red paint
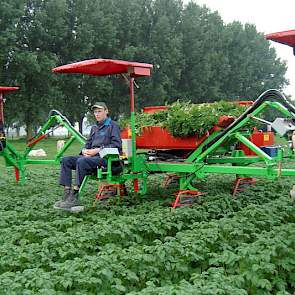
[16,171]
[285,37]
[259,138]
[186,198]
[36,140]
[103,67]
[242,183]
[7,89]
[245,102]
[225,121]
[135,185]
[155,137]
[154,109]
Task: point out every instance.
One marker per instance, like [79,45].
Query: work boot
[67,193]
[71,201]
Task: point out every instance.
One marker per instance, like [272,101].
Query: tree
[28,65]
[205,62]
[253,65]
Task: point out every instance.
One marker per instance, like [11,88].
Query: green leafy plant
[220,246]
[184,119]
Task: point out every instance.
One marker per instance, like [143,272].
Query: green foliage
[184,119]
[219,246]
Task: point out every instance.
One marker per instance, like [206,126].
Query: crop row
[33,244]
[115,270]
[266,266]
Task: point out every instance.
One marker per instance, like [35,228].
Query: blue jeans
[83,166]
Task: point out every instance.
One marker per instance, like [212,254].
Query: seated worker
[104,134]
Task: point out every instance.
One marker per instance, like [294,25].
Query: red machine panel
[155,137]
[260,139]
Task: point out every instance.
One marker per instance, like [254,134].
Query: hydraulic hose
[268,94]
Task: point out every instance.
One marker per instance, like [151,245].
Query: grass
[48,144]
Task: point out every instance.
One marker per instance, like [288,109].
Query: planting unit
[217,152]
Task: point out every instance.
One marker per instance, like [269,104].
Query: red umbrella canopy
[102,67]
[4,89]
[286,37]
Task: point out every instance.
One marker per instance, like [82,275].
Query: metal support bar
[44,161]
[71,129]
[260,120]
[65,147]
[170,167]
[258,171]
[253,147]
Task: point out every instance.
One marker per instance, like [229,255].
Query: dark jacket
[104,135]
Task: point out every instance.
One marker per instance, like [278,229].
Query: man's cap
[99,105]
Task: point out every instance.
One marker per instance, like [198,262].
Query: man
[104,134]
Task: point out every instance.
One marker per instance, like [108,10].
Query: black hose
[268,94]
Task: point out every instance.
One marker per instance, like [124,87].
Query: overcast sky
[269,16]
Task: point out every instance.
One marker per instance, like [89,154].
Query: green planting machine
[230,147]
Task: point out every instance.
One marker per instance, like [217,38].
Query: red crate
[155,137]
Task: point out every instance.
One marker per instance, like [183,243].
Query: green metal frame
[19,160]
[218,158]
[203,162]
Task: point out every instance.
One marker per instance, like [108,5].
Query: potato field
[142,246]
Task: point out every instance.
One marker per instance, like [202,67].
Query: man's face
[100,114]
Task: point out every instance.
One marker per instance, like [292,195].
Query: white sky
[269,16]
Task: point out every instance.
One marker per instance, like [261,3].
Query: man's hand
[90,152]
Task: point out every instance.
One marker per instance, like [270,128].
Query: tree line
[196,56]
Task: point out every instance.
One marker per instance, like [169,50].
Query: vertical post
[16,171]
[133,133]
[2,133]
[1,114]
[135,185]
[1,108]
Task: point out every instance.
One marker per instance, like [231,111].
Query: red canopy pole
[133,133]
[131,90]
[2,133]
[1,111]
